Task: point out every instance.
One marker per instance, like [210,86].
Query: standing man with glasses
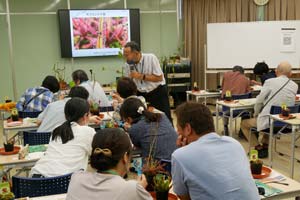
[147,74]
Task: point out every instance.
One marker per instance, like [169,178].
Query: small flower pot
[228,98]
[162,195]
[15,118]
[94,111]
[8,147]
[256,168]
[285,112]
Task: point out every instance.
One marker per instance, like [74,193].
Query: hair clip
[106,152]
[141,110]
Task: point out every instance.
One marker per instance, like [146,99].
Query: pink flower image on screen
[85,32]
[98,33]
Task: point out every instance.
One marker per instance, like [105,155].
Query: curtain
[197,13]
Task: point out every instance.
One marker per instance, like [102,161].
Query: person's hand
[136,75]
[126,126]
[117,97]
[181,141]
[142,180]
[95,119]
[253,82]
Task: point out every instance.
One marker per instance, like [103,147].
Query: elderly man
[236,82]
[208,166]
[275,91]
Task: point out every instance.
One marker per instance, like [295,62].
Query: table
[290,191]
[243,104]
[27,125]
[202,94]
[295,123]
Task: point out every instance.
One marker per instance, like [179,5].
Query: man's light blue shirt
[212,168]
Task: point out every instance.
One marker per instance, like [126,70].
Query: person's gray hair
[284,68]
[238,69]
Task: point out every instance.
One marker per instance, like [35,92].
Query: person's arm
[146,77]
[179,185]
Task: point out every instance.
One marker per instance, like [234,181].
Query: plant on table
[162,185]
[255,164]
[60,75]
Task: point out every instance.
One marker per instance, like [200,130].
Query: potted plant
[14,115]
[196,88]
[228,96]
[285,112]
[60,75]
[150,169]
[9,146]
[95,108]
[255,164]
[162,186]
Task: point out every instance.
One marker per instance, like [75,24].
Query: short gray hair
[284,68]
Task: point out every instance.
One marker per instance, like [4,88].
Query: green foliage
[161,182]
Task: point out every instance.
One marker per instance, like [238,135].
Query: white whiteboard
[246,43]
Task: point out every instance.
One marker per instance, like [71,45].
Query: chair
[33,187]
[279,127]
[36,138]
[237,113]
[31,114]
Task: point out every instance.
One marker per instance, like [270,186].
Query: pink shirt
[236,82]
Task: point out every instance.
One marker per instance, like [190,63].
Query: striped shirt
[39,103]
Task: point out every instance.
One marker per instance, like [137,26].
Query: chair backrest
[34,187]
[242,96]
[277,110]
[36,138]
[33,114]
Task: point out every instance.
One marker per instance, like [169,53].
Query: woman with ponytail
[70,143]
[111,155]
[152,132]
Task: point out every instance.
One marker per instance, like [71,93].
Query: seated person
[275,91]
[97,94]
[208,166]
[236,82]
[111,156]
[37,98]
[70,143]
[126,87]
[53,116]
[152,132]
[261,69]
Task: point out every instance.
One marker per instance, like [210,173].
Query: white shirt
[286,96]
[53,116]
[149,64]
[96,92]
[60,159]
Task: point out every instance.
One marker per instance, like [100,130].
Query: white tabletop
[238,103]
[295,121]
[204,93]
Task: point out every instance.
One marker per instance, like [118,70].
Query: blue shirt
[212,168]
[38,103]
[142,134]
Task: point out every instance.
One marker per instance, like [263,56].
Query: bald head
[284,68]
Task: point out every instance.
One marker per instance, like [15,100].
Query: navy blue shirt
[266,76]
[143,132]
